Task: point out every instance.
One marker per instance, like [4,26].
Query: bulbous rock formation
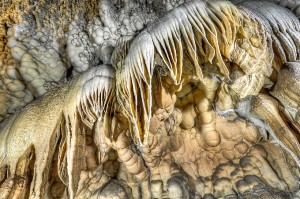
[149,99]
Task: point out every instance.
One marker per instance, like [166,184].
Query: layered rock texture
[149,99]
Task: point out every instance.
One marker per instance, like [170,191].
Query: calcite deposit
[149,99]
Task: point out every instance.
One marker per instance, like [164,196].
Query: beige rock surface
[149,99]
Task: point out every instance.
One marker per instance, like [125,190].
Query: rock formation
[149,99]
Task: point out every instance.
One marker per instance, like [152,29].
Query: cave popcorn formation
[150,99]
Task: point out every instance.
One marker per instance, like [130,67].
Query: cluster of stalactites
[96,95]
[202,31]
[281,26]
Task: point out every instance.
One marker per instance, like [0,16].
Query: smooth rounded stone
[12,42]
[211,138]
[186,89]
[25,65]
[113,190]
[53,65]
[188,121]
[10,31]
[229,155]
[255,180]
[207,117]
[242,186]
[17,53]
[251,133]
[7,81]
[12,72]
[27,58]
[175,190]
[38,82]
[99,32]
[11,62]
[32,72]
[57,74]
[223,187]
[139,25]
[241,147]
[203,105]
[40,91]
[15,86]
[227,145]
[20,94]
